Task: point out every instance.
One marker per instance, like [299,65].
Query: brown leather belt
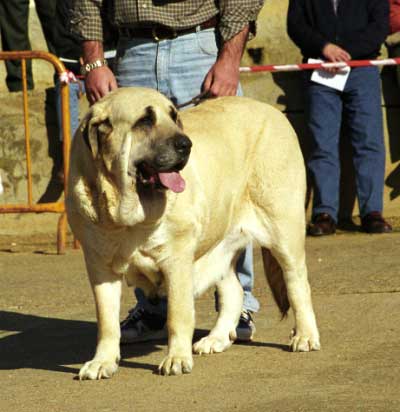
[159,32]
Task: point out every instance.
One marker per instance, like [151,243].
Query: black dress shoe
[374,223]
[322,225]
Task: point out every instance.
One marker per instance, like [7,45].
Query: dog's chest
[142,253]
[143,263]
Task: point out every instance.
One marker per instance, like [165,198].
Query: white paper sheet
[335,80]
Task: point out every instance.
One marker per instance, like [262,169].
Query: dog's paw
[176,365]
[97,370]
[303,342]
[212,344]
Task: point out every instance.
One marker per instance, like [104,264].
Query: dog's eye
[148,120]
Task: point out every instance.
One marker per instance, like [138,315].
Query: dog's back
[246,164]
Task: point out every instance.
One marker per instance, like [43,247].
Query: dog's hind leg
[290,287]
[106,288]
[221,337]
[277,194]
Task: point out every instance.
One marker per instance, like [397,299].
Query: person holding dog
[181,49]
[337,31]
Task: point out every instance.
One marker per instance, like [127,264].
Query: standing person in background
[46,10]
[335,31]
[393,40]
[14,16]
[179,49]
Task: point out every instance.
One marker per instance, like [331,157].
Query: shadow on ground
[52,344]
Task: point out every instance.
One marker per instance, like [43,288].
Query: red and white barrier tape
[68,76]
[312,66]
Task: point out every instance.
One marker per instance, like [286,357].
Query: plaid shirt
[89,16]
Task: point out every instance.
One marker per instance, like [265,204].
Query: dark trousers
[46,11]
[359,105]
[14,17]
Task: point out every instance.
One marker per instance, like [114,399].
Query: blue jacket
[359,27]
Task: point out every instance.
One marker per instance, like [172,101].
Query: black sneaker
[246,328]
[141,325]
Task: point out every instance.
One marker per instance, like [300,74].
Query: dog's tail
[273,273]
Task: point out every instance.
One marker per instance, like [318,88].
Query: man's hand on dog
[99,83]
[223,77]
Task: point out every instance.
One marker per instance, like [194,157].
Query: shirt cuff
[88,27]
[231,29]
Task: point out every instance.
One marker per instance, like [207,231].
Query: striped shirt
[90,16]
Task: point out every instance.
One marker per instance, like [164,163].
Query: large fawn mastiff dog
[168,200]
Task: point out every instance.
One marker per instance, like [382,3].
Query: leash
[195,101]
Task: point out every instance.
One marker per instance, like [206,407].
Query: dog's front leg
[180,321]
[223,334]
[107,294]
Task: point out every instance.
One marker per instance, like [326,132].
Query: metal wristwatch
[88,67]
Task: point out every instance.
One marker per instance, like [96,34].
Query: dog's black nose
[182,145]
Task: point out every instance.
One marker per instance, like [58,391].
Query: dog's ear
[94,130]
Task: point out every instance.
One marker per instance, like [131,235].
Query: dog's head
[135,133]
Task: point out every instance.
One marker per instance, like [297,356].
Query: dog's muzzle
[162,172]
[182,145]
[173,154]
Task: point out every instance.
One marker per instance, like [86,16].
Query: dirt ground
[47,330]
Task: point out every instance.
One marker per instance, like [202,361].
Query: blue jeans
[75,92]
[177,68]
[360,106]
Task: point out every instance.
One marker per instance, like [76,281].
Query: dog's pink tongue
[173,181]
